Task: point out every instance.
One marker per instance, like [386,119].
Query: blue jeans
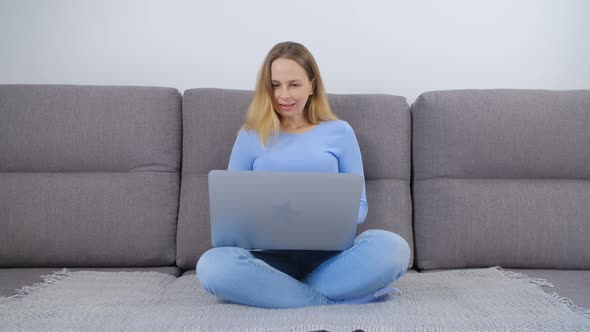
[289,279]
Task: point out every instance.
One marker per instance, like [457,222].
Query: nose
[282,94]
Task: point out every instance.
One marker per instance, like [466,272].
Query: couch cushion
[13,279]
[572,284]
[501,178]
[212,118]
[66,128]
[194,272]
[89,175]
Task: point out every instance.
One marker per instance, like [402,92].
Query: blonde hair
[261,116]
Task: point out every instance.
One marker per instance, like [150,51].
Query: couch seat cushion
[13,279]
[573,284]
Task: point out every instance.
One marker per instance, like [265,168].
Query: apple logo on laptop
[284,212]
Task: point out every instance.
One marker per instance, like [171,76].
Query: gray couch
[115,178]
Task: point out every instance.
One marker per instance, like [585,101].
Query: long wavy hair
[262,117]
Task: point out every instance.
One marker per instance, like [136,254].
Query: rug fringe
[554,297]
[570,304]
[27,290]
[524,277]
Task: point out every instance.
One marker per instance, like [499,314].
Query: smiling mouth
[286,107]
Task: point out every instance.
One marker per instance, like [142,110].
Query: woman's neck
[297,127]
[295,124]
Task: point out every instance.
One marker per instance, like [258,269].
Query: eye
[294,84]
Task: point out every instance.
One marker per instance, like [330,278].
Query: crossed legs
[376,259]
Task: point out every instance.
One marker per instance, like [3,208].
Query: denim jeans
[288,279]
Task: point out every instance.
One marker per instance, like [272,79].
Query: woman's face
[291,88]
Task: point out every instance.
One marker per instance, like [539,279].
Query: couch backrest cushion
[212,118]
[89,175]
[501,178]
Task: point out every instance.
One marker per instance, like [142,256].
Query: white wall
[371,46]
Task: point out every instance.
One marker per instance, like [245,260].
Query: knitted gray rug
[462,300]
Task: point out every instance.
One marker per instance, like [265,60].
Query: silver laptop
[284,211]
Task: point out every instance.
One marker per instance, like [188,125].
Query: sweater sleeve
[242,154]
[350,161]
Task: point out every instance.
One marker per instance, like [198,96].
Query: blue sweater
[331,147]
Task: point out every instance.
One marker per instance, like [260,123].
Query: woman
[289,127]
